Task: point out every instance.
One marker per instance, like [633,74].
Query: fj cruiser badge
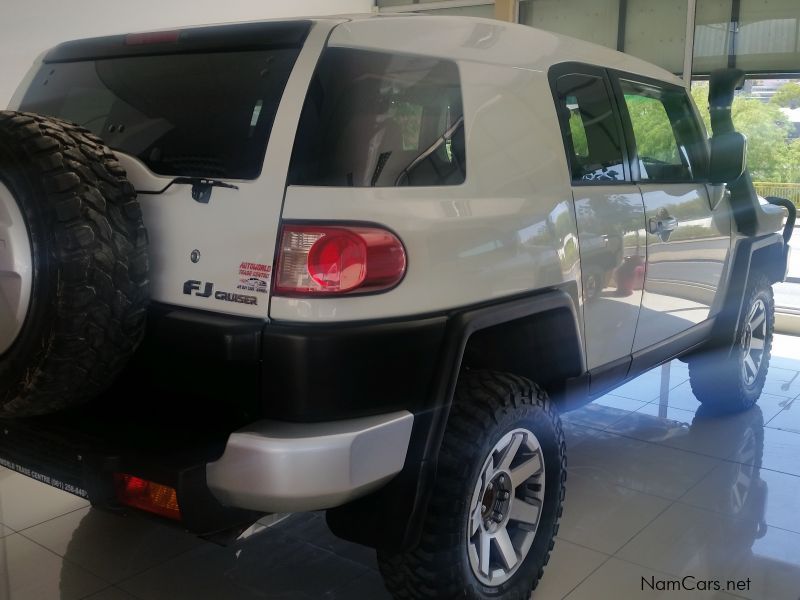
[204,290]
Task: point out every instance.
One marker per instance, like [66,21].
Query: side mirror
[728,157]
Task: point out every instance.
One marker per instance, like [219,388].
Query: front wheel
[497,499]
[728,380]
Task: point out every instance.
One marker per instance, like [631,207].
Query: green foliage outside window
[787,96]
[408,116]
[579,143]
[655,140]
[772,154]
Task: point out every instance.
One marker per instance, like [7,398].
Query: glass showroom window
[767,111]
[596,22]
[465,8]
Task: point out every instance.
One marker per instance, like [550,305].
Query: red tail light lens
[338,261]
[327,260]
[147,495]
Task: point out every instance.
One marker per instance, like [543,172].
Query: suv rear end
[211,124]
[323,246]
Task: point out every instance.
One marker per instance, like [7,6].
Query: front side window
[373,119]
[593,140]
[668,139]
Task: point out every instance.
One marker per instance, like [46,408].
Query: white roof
[473,39]
[483,40]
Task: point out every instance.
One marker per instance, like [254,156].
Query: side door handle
[662,226]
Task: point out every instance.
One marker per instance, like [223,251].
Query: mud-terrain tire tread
[97,247]
[428,571]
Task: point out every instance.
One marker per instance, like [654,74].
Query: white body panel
[236,226]
[484,41]
[500,233]
[612,240]
[684,272]
[509,228]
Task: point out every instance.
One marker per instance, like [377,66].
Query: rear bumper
[273,466]
[289,372]
[320,415]
[81,451]
[235,413]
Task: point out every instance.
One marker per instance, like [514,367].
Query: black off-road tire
[487,405]
[90,265]
[716,375]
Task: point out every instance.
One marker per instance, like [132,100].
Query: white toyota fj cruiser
[360,264]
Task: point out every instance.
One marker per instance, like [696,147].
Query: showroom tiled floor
[653,491]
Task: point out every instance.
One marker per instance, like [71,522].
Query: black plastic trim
[217,38]
[672,347]
[78,452]
[607,377]
[217,336]
[323,372]
[727,322]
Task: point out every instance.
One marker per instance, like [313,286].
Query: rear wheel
[73,265]
[728,380]
[497,499]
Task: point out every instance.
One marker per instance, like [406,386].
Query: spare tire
[73,265]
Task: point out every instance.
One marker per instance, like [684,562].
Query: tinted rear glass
[200,114]
[590,128]
[378,119]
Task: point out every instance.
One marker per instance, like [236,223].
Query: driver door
[609,214]
[688,243]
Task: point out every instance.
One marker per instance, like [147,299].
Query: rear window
[205,114]
[374,119]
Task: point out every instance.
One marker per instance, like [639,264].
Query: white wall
[30,26]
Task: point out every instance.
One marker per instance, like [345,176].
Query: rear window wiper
[201,187]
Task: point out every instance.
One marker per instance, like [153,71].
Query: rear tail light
[147,495]
[318,260]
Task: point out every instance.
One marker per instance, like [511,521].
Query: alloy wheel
[506,507]
[753,341]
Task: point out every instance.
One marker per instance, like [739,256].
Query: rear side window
[206,114]
[669,141]
[591,130]
[373,119]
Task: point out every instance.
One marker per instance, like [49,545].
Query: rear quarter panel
[510,228]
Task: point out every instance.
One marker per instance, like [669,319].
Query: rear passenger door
[609,213]
[687,242]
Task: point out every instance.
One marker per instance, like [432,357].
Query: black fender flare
[749,254]
[392,517]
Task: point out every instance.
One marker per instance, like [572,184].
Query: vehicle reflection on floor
[670,491]
[657,491]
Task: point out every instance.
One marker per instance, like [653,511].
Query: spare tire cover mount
[16,271]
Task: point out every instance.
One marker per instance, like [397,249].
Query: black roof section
[216,38]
